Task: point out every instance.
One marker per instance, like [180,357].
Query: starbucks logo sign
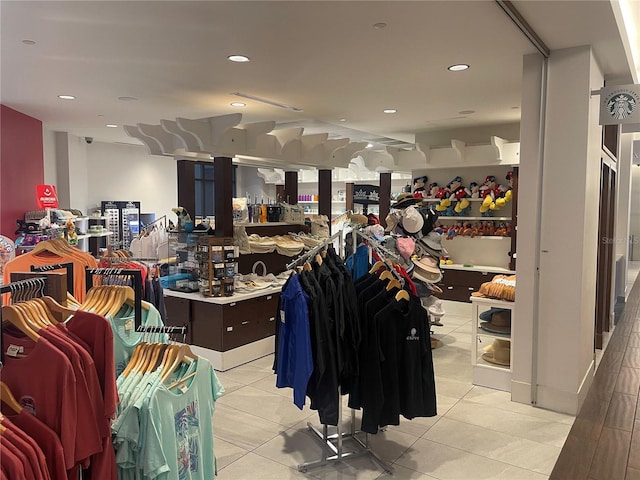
[621,106]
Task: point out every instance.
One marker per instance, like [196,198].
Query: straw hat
[427,270]
[499,352]
[404,200]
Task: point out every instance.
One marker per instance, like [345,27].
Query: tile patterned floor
[478,434]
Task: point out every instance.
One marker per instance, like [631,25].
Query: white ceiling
[323,57]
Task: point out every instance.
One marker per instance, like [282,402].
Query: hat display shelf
[493,322]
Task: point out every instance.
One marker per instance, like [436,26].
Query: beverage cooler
[123,219]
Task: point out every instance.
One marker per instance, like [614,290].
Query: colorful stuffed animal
[419,186]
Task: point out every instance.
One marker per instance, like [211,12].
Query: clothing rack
[37,289]
[317,249]
[333,449]
[136,276]
[382,252]
[68,266]
[146,226]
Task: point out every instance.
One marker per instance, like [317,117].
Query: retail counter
[233,330]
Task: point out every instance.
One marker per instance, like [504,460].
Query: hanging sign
[620,104]
[46,196]
[366,194]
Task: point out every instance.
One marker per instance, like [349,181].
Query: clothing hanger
[55,307]
[15,317]
[402,295]
[376,267]
[318,259]
[393,283]
[7,397]
[32,314]
[135,360]
[184,353]
[386,275]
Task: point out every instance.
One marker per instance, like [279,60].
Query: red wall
[21,166]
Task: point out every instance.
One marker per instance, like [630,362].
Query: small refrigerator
[123,219]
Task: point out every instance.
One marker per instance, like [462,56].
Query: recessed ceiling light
[127,99]
[343,119]
[459,67]
[238,58]
[28,42]
[390,110]
[67,97]
[238,104]
[515,107]
[100,115]
[379,25]
[369,145]
[466,112]
[111,125]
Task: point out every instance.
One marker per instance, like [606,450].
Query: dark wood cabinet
[458,285]
[179,314]
[224,326]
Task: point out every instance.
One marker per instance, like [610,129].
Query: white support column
[623,211]
[568,231]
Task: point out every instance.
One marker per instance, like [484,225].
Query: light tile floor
[478,433]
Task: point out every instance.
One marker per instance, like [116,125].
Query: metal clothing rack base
[333,445]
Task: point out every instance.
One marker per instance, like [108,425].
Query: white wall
[128,172]
[248,181]
[49,156]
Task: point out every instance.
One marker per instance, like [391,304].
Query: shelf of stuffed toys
[482,205]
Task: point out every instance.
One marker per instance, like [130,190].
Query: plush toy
[72,235]
[474,188]
[419,186]
[434,188]
[183,218]
[487,186]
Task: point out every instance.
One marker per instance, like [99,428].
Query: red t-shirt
[11,463]
[88,440]
[46,439]
[44,383]
[39,461]
[95,331]
[13,444]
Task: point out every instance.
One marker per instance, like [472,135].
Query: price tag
[128,325]
[14,350]
[282,316]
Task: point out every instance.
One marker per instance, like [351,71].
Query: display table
[234,330]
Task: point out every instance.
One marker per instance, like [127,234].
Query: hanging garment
[295,362]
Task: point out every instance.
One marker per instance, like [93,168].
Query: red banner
[46,196]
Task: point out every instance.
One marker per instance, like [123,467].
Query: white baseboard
[563,401]
[238,356]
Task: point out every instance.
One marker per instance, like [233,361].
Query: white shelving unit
[488,374]
[487,219]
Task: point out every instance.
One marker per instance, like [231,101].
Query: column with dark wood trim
[291,187]
[187,186]
[349,189]
[223,193]
[385,197]
[324,193]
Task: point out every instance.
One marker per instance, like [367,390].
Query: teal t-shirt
[179,431]
[125,338]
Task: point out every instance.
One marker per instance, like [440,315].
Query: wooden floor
[604,442]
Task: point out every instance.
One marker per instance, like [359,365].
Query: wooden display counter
[235,329]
